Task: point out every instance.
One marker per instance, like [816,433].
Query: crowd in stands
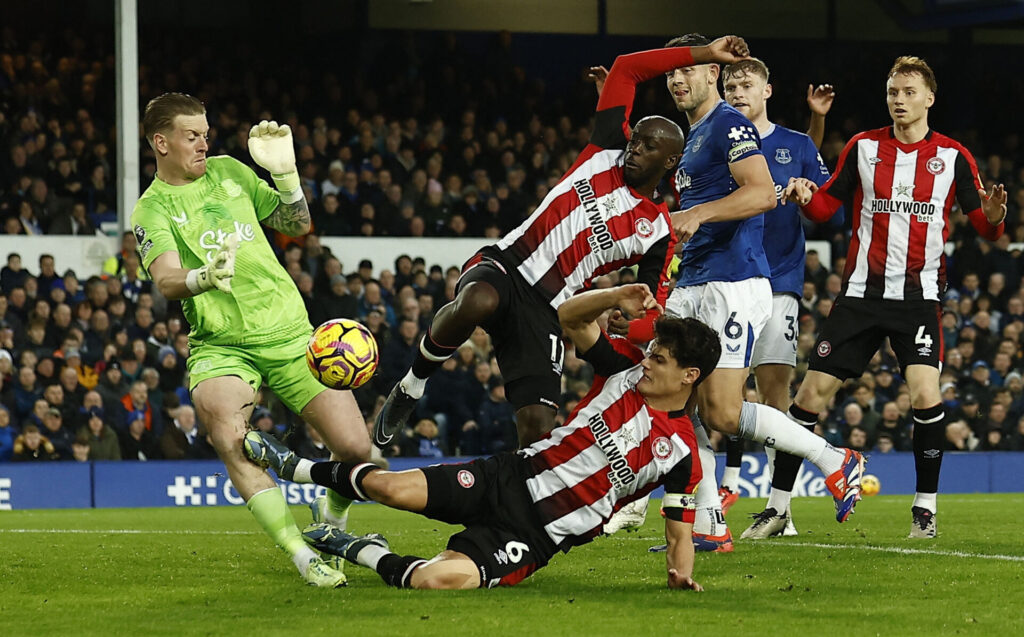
[95,367]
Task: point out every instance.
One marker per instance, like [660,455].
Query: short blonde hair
[161,111]
[752,66]
[909,64]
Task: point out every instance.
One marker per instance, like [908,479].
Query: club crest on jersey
[697,142]
[935,166]
[661,448]
[783,156]
[824,349]
[644,228]
[466,479]
[231,188]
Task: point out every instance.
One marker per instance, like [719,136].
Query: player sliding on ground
[628,436]
[600,217]
[198,231]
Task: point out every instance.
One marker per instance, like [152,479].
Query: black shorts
[503,535]
[856,329]
[525,332]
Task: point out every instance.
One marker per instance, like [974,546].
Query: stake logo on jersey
[789,154]
[212,240]
[727,250]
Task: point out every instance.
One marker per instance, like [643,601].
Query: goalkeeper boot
[322,575]
[728,497]
[845,484]
[923,525]
[334,541]
[767,523]
[318,507]
[268,452]
[392,417]
[630,517]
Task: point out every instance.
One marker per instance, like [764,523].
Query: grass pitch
[212,572]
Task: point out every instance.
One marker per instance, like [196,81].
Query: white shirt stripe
[898,241]
[867,150]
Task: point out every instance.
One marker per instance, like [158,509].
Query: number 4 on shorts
[924,340]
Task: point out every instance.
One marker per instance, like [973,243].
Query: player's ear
[160,143]
[671,162]
[930,100]
[767,91]
[714,70]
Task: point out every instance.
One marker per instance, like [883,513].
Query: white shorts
[737,310]
[777,343]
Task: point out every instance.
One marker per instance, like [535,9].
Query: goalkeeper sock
[336,511]
[272,513]
[343,478]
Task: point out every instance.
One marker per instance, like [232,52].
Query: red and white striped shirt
[900,196]
[591,223]
[614,449]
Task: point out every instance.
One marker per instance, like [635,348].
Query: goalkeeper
[198,232]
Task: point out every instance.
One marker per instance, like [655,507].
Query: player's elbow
[167,289]
[766,197]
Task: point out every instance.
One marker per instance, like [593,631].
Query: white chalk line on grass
[131,531]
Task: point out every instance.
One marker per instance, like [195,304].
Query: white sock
[770,452]
[709,507]
[927,501]
[413,386]
[302,471]
[779,500]
[773,428]
[301,558]
[731,479]
[370,555]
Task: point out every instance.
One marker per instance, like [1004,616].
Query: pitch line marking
[904,551]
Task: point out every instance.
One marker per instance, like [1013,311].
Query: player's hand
[272,148]
[677,581]
[219,271]
[819,100]
[993,204]
[635,299]
[728,49]
[597,75]
[685,223]
[618,324]
[799,190]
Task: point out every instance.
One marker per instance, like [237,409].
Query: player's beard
[698,95]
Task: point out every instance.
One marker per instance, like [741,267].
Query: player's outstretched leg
[220,402]
[452,325]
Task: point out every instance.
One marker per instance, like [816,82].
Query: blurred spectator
[136,402]
[137,441]
[58,435]
[7,435]
[31,445]
[102,440]
[312,445]
[183,440]
[423,443]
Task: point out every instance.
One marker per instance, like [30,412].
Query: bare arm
[819,100]
[755,195]
[291,219]
[579,314]
[679,557]
[169,276]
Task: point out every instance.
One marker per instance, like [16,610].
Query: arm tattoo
[291,219]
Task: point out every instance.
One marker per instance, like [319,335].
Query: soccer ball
[870,485]
[342,354]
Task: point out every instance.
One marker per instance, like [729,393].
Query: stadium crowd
[93,367]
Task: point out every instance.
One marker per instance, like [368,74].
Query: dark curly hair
[692,343]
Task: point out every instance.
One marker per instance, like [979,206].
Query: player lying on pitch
[628,436]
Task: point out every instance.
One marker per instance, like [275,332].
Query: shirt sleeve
[680,501]
[815,170]
[152,228]
[611,124]
[611,355]
[653,270]
[265,198]
[736,137]
[839,188]
[968,182]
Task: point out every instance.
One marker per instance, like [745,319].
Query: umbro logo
[874,160]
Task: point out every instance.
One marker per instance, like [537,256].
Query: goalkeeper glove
[218,272]
[271,147]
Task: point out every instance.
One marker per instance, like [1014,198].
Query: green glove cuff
[286,182]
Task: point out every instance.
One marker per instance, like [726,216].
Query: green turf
[208,571]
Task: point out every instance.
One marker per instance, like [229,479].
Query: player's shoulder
[149,203]
[219,164]
[790,136]
[724,117]
[946,141]
[875,134]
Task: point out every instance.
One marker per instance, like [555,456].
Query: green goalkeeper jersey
[192,220]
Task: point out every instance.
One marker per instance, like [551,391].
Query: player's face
[747,93]
[663,377]
[184,148]
[647,156]
[690,86]
[908,98]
